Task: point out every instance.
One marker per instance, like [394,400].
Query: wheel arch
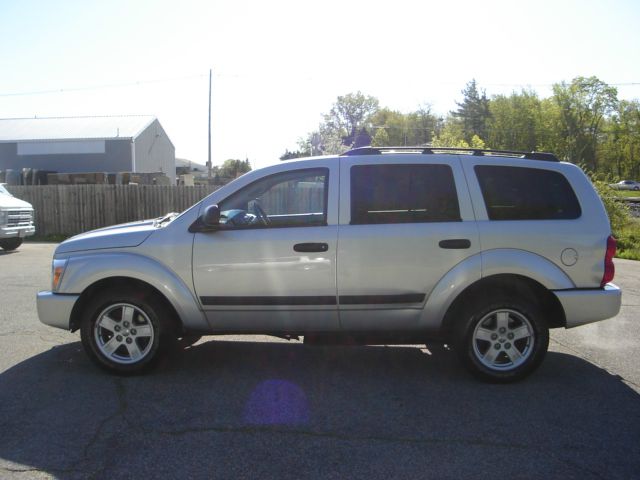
[512,285]
[130,283]
[84,275]
[485,270]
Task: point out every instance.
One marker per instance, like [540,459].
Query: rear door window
[403,194]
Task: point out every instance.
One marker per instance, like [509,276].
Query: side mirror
[209,221]
[211,216]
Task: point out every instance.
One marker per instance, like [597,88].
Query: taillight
[609,269]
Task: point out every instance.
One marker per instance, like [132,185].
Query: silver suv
[483,250]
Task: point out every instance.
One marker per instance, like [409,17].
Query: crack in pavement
[83,464]
[360,438]
[95,438]
[20,332]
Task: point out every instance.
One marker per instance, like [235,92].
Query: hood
[8,201]
[116,236]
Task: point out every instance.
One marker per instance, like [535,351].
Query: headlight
[57,273]
[3,217]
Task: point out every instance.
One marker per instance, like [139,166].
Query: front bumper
[13,232]
[55,309]
[589,305]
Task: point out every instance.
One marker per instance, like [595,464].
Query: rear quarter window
[519,193]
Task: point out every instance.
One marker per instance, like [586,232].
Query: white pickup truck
[16,220]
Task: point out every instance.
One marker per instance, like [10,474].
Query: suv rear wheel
[125,332]
[502,340]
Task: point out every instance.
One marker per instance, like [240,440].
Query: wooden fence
[71,209]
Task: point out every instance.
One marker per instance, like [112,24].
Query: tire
[10,244]
[126,332]
[501,340]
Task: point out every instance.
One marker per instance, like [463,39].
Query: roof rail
[425,150]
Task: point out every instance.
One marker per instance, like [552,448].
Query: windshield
[4,190]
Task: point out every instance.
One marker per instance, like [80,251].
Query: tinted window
[291,199]
[514,193]
[403,194]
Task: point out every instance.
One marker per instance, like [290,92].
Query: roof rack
[549,157]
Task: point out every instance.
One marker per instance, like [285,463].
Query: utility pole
[209,156]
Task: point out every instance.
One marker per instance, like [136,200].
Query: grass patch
[626,193]
[47,238]
[629,240]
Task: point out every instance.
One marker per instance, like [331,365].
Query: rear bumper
[55,309]
[590,305]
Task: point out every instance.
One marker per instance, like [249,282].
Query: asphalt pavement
[260,407]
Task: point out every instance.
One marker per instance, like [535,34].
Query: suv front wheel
[125,332]
[502,340]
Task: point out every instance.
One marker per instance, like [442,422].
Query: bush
[618,212]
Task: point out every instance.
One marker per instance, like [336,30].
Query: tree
[390,128]
[583,105]
[324,141]
[422,125]
[381,138]
[515,121]
[287,155]
[451,135]
[415,128]
[233,168]
[345,126]
[350,115]
[473,112]
[619,152]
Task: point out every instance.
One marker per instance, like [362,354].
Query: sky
[278,65]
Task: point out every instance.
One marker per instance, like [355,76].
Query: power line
[100,87]
[620,84]
[306,77]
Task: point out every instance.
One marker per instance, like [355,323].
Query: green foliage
[582,122]
[343,126]
[477,142]
[629,240]
[287,155]
[618,211]
[54,238]
[452,135]
[233,168]
[414,128]
[582,107]
[381,138]
[349,116]
[619,149]
[473,112]
[515,122]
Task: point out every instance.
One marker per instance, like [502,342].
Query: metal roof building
[135,143]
